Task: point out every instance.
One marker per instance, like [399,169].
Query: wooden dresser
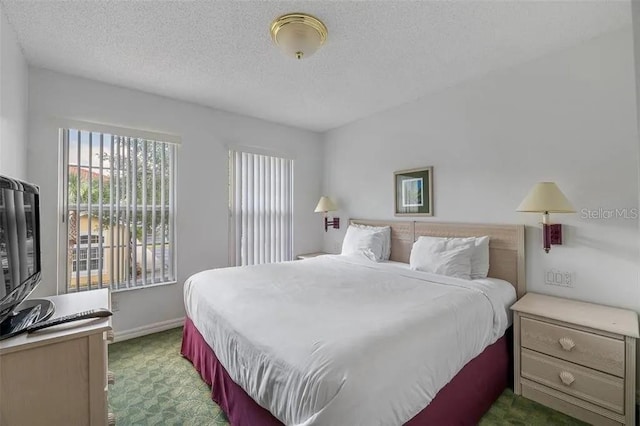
[575,357]
[58,376]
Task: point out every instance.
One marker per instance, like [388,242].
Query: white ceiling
[378,54]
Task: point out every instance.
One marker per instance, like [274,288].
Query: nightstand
[575,357]
[310,255]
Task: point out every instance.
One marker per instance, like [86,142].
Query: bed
[333,340]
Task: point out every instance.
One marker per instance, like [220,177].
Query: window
[118,210]
[96,259]
[261,204]
[95,239]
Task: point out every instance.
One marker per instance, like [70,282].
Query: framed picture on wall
[414,192]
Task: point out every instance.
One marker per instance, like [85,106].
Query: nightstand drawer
[591,350]
[593,386]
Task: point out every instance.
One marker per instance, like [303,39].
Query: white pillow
[444,256]
[480,258]
[386,236]
[365,241]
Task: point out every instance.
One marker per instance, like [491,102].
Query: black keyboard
[93,313]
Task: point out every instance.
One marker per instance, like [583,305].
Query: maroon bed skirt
[462,401]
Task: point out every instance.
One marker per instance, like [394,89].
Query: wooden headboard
[506,244]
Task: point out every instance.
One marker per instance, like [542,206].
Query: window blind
[261,205]
[118,211]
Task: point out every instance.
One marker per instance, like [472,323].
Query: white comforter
[339,340]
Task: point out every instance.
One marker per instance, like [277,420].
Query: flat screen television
[20,261]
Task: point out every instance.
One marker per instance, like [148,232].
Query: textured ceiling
[378,54]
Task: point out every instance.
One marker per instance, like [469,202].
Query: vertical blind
[261,204]
[118,210]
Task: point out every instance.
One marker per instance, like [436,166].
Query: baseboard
[120,336]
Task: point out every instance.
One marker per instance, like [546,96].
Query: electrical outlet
[568,279]
[115,305]
[337,246]
[559,278]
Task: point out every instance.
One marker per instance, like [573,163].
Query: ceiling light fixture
[299,35]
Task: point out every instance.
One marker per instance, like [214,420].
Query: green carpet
[156,386]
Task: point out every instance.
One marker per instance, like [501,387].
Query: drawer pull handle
[111,419]
[567,378]
[566,343]
[111,378]
[110,336]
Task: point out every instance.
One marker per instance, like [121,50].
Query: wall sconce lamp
[545,198]
[326,205]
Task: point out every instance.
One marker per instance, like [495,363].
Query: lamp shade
[325,205]
[545,197]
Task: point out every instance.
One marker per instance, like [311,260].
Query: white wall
[635,15]
[202,181]
[13,103]
[569,117]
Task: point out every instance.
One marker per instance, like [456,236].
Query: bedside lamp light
[545,198]
[326,205]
